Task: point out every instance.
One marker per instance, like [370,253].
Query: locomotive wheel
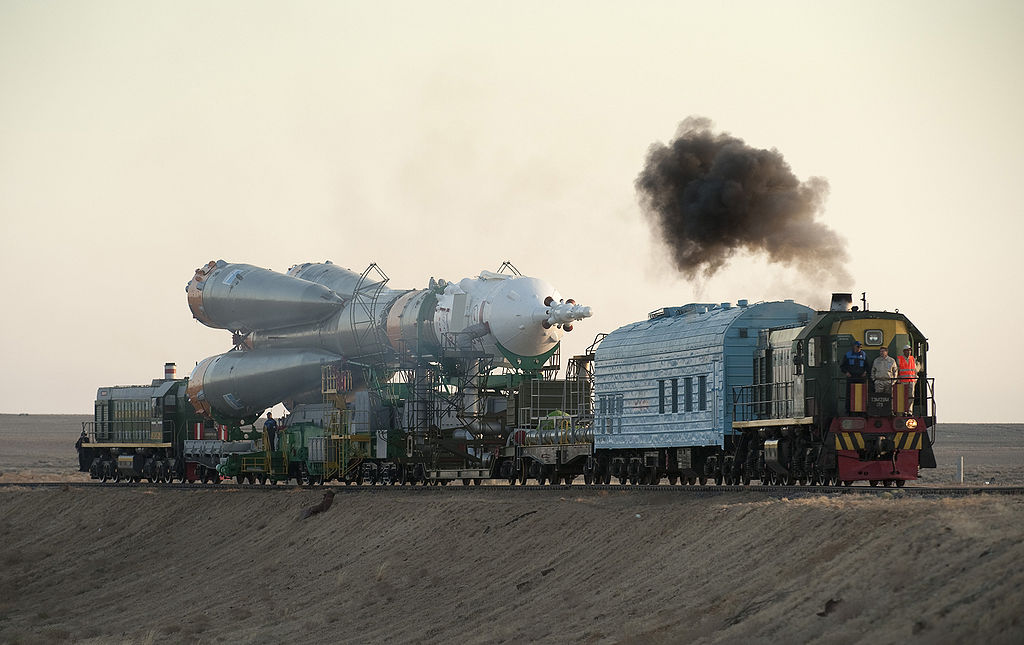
[672,479]
[542,477]
[588,478]
[718,479]
[691,480]
[262,480]
[239,478]
[465,481]
[569,479]
[703,480]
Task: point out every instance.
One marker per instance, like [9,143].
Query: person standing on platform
[883,371]
[908,374]
[854,366]
[270,427]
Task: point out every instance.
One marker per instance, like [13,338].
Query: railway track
[779,491]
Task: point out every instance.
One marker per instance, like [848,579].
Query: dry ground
[138,565]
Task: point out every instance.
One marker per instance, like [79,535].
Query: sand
[142,565]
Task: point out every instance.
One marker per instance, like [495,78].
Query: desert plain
[143,564]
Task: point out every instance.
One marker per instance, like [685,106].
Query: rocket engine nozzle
[565,312]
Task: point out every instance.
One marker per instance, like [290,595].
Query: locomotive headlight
[911,424]
[873,337]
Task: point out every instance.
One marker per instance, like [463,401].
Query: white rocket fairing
[287,326]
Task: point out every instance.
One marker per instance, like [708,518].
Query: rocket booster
[287,325]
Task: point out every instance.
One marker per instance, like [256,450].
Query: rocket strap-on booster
[287,325]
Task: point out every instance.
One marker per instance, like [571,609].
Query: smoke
[710,195]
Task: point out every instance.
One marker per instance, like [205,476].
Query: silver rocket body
[286,326]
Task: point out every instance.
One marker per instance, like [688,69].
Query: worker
[270,427]
[854,366]
[908,372]
[883,371]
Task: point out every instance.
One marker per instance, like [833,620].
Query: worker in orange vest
[907,371]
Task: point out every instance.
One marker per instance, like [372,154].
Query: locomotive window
[688,394]
[675,395]
[661,397]
[702,392]
[873,337]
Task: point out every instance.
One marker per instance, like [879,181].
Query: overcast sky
[139,140]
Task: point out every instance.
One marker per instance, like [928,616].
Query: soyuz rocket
[285,326]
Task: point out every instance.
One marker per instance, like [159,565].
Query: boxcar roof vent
[841,302]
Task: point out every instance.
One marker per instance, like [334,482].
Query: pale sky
[139,140]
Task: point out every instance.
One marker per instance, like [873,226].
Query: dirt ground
[139,565]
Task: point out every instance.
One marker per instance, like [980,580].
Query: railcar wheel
[703,480]
[476,481]
[588,478]
[569,479]
[900,483]
[874,482]
[672,479]
[239,478]
[465,481]
[887,483]
[847,482]
[261,479]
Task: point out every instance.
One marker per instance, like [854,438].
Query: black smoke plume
[710,195]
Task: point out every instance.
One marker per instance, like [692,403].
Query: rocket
[286,326]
